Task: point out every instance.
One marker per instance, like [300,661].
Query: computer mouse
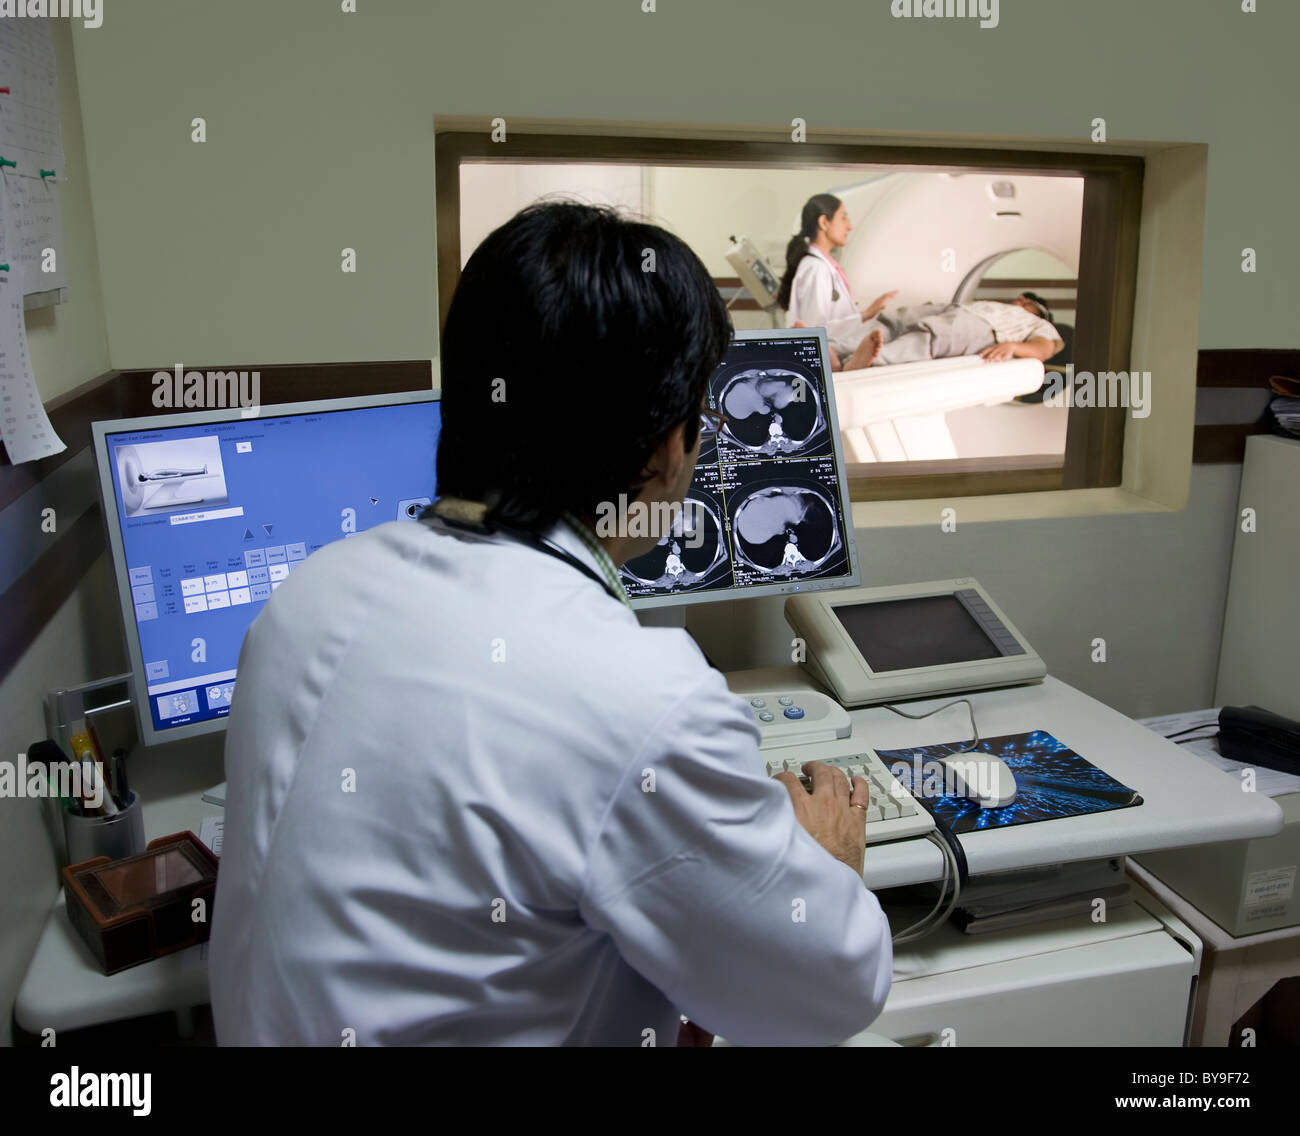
[980,777]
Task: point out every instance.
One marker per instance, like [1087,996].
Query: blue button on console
[794,711]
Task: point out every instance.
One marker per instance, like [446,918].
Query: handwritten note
[30,131]
[31,137]
[24,426]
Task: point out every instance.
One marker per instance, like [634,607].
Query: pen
[83,753]
[96,786]
[121,789]
[92,772]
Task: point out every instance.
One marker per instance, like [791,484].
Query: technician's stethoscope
[524,536]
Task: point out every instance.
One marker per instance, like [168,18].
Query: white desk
[1187,801]
[64,988]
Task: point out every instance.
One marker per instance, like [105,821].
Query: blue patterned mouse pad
[1051,781]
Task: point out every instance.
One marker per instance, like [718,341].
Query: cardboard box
[1245,886]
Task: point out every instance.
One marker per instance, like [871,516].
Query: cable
[958,852]
[933,919]
[956,870]
[920,928]
[916,717]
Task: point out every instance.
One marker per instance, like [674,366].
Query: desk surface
[64,988]
[1186,801]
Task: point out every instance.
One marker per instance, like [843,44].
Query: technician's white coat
[820,298]
[556,828]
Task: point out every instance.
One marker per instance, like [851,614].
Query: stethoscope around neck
[524,536]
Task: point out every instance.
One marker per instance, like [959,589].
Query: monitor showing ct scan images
[768,509]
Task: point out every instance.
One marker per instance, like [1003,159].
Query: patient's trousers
[932,331]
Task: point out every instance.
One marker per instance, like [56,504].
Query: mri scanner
[933,236]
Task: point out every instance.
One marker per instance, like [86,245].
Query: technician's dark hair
[575,342]
[817,206]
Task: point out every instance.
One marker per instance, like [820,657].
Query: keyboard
[893,813]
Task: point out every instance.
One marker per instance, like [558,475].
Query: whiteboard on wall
[31,138]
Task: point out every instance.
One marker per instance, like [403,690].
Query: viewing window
[1050,237]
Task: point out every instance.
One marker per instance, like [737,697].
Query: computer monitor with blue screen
[209,511]
[768,509]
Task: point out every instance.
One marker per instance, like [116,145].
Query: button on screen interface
[214,517]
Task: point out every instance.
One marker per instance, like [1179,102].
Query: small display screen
[922,631]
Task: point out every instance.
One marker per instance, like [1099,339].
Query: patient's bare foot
[836,365]
[865,353]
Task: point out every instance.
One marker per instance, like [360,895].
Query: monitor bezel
[807,587]
[102,431]
[834,657]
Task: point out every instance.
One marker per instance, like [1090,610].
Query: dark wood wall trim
[29,604]
[1237,369]
[1245,367]
[291,382]
[71,415]
[34,597]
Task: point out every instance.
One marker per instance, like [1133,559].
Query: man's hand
[832,816]
[877,306]
[998,352]
[1039,347]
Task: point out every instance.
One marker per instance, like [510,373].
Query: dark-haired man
[557,829]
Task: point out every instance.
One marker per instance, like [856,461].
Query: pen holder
[116,837]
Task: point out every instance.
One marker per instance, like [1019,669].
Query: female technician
[814,290]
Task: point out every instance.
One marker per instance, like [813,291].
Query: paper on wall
[31,136]
[34,226]
[30,131]
[24,426]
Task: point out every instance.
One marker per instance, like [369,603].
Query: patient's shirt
[1010,322]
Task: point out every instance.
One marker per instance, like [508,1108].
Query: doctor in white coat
[814,289]
[471,800]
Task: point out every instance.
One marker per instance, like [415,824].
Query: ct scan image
[785,529]
[693,554]
[772,412]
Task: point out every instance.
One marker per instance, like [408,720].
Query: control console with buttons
[796,717]
[801,717]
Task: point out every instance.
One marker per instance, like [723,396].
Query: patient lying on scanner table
[988,328]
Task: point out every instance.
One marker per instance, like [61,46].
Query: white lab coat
[471,800]
[819,298]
